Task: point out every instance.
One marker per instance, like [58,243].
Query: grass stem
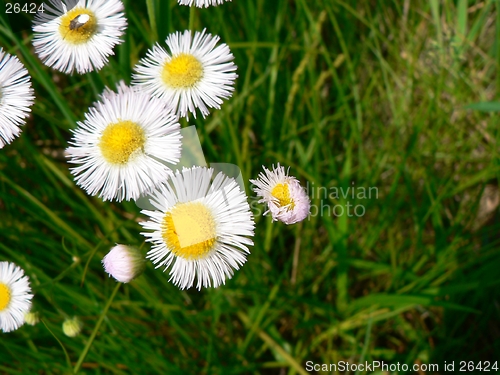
[96,329]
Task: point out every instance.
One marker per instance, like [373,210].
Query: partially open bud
[72,327]
[124,263]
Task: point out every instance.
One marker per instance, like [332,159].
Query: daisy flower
[120,146]
[199,227]
[194,73]
[16,97]
[78,34]
[286,199]
[201,3]
[15,296]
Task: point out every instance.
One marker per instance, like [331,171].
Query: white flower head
[199,227]
[194,73]
[285,197]
[201,3]
[121,145]
[124,263]
[78,34]
[16,97]
[15,296]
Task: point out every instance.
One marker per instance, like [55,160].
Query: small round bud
[32,318]
[124,263]
[72,327]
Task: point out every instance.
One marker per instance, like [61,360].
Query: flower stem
[192,14]
[66,355]
[96,329]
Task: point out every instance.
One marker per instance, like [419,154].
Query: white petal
[12,316]
[16,97]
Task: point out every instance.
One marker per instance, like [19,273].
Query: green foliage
[348,94]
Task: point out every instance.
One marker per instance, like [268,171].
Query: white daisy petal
[199,229]
[194,73]
[201,3]
[16,97]
[120,146]
[78,34]
[15,296]
[286,199]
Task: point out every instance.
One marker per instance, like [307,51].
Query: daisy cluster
[129,142]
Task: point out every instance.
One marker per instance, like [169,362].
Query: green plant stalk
[192,16]
[54,218]
[96,329]
[271,343]
[152,19]
[66,355]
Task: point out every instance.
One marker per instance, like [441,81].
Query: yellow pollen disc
[5,296]
[189,230]
[122,140]
[282,194]
[75,32]
[182,71]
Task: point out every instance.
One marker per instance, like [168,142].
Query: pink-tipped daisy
[285,197]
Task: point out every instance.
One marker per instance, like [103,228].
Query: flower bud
[124,263]
[72,327]
[32,318]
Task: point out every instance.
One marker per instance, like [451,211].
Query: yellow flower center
[5,296]
[122,140]
[182,71]
[189,230]
[282,194]
[78,25]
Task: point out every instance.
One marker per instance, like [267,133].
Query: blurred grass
[364,94]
